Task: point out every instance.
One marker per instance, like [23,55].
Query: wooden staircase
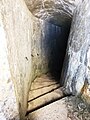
[44,90]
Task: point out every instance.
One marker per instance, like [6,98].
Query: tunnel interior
[49,31]
[44,88]
[57,22]
[56,38]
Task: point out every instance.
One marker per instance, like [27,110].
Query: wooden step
[44,99]
[44,90]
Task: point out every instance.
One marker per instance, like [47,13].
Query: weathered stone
[76,70]
[8,106]
[16,21]
[56,11]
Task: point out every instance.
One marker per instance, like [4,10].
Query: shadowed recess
[54,45]
[57,16]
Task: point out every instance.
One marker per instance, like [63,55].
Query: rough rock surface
[77,109]
[76,70]
[17,36]
[56,11]
[8,106]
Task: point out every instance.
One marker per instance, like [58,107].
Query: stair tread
[43,91]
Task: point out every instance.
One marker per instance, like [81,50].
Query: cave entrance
[57,16]
[44,89]
[54,47]
[58,37]
[57,22]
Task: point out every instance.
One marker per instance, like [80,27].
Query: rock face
[76,70]
[13,17]
[8,106]
[55,11]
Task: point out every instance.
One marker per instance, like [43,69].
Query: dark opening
[44,89]
[57,16]
[55,44]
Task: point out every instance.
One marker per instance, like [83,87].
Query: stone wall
[17,22]
[76,70]
[55,11]
[8,106]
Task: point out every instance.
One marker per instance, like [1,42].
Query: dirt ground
[68,108]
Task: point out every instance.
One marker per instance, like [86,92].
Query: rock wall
[8,106]
[16,21]
[55,11]
[76,70]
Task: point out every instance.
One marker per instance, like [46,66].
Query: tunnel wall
[17,25]
[8,106]
[55,11]
[76,69]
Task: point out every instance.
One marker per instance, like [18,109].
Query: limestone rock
[76,69]
[55,11]
[8,105]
